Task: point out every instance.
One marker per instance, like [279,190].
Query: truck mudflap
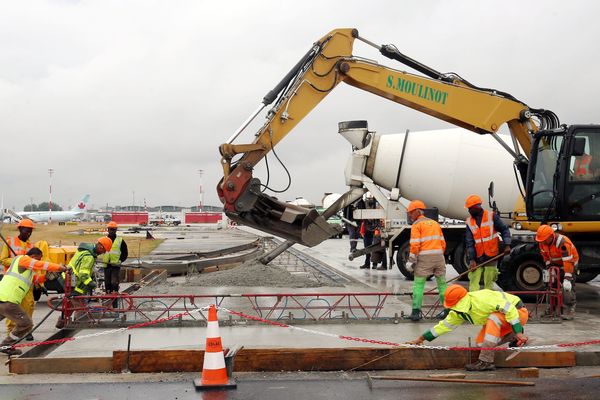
[298,224]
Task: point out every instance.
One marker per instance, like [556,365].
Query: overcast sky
[136,96]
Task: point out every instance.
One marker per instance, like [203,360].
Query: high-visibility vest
[15,285]
[426,237]
[21,248]
[113,257]
[582,165]
[76,265]
[562,253]
[485,236]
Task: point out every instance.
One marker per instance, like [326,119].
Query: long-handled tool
[517,352]
[469,270]
[370,379]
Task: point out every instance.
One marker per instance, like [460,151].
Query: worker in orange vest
[502,316]
[19,244]
[558,250]
[482,242]
[426,258]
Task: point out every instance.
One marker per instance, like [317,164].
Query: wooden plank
[60,365]
[537,359]
[293,360]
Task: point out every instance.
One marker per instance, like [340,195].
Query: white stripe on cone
[214,360]
[212,329]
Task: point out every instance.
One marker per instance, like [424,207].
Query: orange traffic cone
[214,372]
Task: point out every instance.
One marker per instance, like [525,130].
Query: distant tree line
[43,206]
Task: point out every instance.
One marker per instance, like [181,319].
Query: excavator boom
[329,62]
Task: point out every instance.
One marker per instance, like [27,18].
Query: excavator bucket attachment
[291,222]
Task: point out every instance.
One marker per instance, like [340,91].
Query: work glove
[472,265]
[410,265]
[521,339]
[567,285]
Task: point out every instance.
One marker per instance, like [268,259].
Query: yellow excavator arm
[329,62]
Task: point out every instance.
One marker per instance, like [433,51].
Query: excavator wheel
[522,270]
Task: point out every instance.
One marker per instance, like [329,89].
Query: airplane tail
[82,205]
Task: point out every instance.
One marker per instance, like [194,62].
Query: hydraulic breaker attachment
[301,225]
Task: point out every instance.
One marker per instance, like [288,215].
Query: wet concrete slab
[314,386]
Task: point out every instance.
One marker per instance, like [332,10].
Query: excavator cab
[564,174]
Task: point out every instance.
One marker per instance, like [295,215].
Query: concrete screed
[333,252]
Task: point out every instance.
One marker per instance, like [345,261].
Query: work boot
[60,323]
[480,366]
[415,315]
[569,315]
[364,266]
[12,351]
[374,266]
[29,337]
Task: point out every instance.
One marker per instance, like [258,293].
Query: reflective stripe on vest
[19,247]
[485,237]
[113,257]
[554,253]
[14,286]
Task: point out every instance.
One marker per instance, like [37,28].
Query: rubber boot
[441,285]
[418,289]
[490,274]
[474,279]
[415,315]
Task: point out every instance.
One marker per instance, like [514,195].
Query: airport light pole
[200,172]
[50,172]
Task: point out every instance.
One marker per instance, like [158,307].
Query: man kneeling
[502,315]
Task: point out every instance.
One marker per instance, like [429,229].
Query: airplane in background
[58,216]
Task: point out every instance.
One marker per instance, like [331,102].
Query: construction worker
[558,250]
[502,315]
[16,283]
[20,245]
[82,265]
[482,242]
[112,260]
[427,247]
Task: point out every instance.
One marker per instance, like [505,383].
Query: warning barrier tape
[305,330]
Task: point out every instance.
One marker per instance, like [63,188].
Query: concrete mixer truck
[547,157]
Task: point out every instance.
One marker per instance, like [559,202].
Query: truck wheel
[459,261]
[522,269]
[401,258]
[586,276]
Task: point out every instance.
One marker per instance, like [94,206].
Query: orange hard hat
[472,200]
[453,294]
[112,224]
[105,242]
[416,205]
[543,233]
[25,223]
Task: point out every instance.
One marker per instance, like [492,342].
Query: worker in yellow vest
[501,315]
[82,265]
[112,260]
[16,283]
[20,245]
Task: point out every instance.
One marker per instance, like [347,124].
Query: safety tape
[307,331]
